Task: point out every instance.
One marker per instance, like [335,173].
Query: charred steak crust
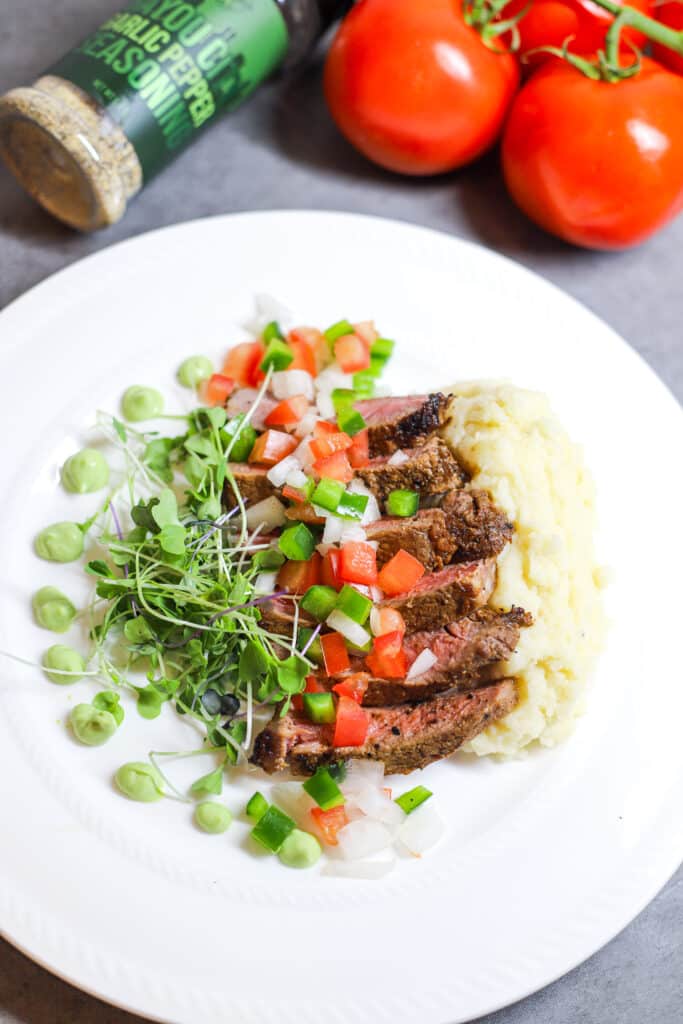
[405,737]
[253,484]
[432,468]
[442,597]
[395,423]
[425,536]
[478,528]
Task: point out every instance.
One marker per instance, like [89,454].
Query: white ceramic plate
[545,859]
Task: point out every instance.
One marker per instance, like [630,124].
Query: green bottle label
[164,69]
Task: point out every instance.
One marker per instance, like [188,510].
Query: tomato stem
[628,16]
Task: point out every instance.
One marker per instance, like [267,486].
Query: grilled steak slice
[303,513]
[478,528]
[431,468]
[403,422]
[468,652]
[404,737]
[242,401]
[277,616]
[426,536]
[442,597]
[252,481]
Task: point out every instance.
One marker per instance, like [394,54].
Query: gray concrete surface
[281,150]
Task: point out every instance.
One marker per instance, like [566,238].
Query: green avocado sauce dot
[212,817]
[193,370]
[85,472]
[299,850]
[140,781]
[52,609]
[60,542]
[63,664]
[92,726]
[139,403]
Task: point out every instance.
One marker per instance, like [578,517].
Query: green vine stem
[629,17]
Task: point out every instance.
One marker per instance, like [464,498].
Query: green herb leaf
[253,661]
[210,783]
[137,630]
[172,539]
[109,701]
[120,429]
[99,568]
[149,701]
[165,511]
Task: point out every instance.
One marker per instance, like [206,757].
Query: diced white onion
[377,805]
[422,829]
[349,629]
[352,531]
[363,838]
[331,378]
[267,514]
[376,593]
[304,454]
[325,405]
[306,424]
[265,583]
[361,774]
[334,527]
[398,458]
[271,308]
[288,383]
[367,869]
[372,512]
[293,799]
[361,588]
[322,549]
[422,664]
[297,478]
[278,473]
[375,621]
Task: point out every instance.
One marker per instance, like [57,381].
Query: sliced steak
[252,481]
[478,528]
[243,400]
[303,512]
[404,737]
[431,468]
[442,597]
[277,616]
[401,422]
[426,536]
[468,652]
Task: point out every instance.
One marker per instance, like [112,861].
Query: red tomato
[287,412]
[243,363]
[352,353]
[272,446]
[323,427]
[335,654]
[670,14]
[351,725]
[334,467]
[296,577]
[400,573]
[216,389]
[387,659]
[353,686]
[367,331]
[330,570]
[329,823]
[304,354]
[358,563]
[313,685]
[331,442]
[414,88]
[598,164]
[294,495]
[359,452]
[316,341]
[552,22]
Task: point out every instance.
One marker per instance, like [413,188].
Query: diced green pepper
[376,367]
[364,384]
[413,798]
[402,503]
[272,829]
[314,649]
[343,398]
[319,601]
[319,707]
[324,790]
[257,807]
[382,348]
[328,494]
[297,542]
[338,330]
[357,606]
[272,330]
[352,506]
[278,355]
[350,421]
[240,449]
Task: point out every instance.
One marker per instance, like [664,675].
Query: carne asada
[427,536]
[478,528]
[441,597]
[429,468]
[395,423]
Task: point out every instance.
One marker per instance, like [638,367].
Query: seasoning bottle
[108,116]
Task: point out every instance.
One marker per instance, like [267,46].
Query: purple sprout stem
[119,534]
[227,611]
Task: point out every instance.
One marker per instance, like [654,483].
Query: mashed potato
[514,447]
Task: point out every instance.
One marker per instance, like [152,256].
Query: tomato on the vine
[670,14]
[598,163]
[414,87]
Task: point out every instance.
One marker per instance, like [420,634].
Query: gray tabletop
[281,150]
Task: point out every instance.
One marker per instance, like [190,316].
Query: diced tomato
[358,563]
[352,353]
[390,621]
[317,342]
[400,573]
[330,569]
[324,427]
[335,654]
[334,467]
[287,412]
[351,725]
[353,686]
[291,492]
[271,447]
[304,353]
[323,447]
[387,659]
[367,331]
[216,389]
[296,577]
[242,362]
[329,823]
[359,452]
